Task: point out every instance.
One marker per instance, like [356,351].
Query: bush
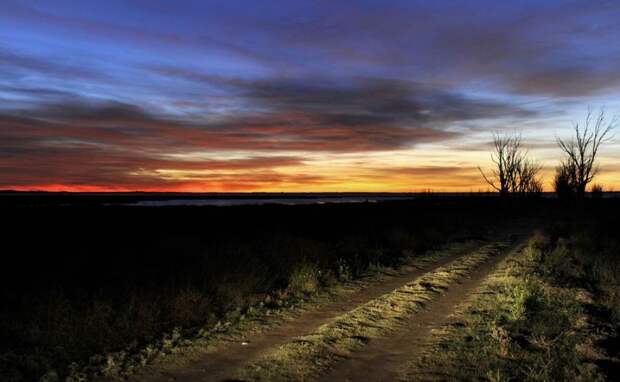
[343,270]
[596,192]
[525,300]
[190,307]
[564,182]
[304,279]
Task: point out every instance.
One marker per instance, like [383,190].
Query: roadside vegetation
[547,314]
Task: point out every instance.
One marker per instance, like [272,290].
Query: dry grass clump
[304,279]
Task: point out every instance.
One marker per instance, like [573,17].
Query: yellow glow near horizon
[428,167]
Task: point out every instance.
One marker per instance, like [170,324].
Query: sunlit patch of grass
[517,327]
[309,355]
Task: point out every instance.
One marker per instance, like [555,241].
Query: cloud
[362,115]
[113,145]
[384,113]
[372,100]
[556,48]
[119,143]
[446,177]
[18,65]
[567,80]
[84,164]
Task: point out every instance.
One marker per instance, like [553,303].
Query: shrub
[304,279]
[190,307]
[596,192]
[539,241]
[525,296]
[343,270]
[564,182]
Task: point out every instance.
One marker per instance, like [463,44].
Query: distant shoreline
[180,199]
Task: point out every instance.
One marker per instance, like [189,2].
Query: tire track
[382,359]
[308,356]
[223,362]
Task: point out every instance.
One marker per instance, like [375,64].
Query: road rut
[384,353]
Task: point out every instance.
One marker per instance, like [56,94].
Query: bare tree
[513,172]
[579,165]
[506,157]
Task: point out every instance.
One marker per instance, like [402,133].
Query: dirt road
[384,357]
[363,335]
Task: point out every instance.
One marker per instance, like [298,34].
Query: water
[292,200]
[262,201]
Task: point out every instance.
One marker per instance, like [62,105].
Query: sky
[159,95]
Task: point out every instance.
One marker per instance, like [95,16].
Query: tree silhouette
[564,181]
[579,166]
[513,172]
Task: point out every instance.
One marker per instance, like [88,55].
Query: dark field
[87,279]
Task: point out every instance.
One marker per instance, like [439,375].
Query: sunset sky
[161,95]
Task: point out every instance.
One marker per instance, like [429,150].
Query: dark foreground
[87,279]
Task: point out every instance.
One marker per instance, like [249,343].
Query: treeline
[514,173]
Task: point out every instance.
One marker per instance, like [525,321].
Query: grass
[588,257]
[530,321]
[305,279]
[307,356]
